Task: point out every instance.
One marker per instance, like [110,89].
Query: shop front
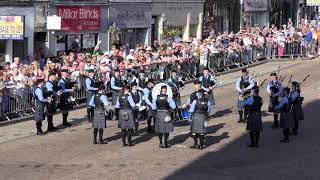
[175,21]
[131,22]
[81,27]
[16,32]
[255,13]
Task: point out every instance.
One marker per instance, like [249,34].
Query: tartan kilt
[90,94]
[65,105]
[39,112]
[51,108]
[160,125]
[99,119]
[297,112]
[272,104]
[126,124]
[286,120]
[197,124]
[254,122]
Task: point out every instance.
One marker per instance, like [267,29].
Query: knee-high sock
[201,140]
[160,135]
[101,135]
[123,135]
[166,137]
[130,132]
[257,136]
[286,133]
[117,111]
[64,118]
[195,139]
[240,114]
[251,133]
[95,132]
[275,118]
[49,119]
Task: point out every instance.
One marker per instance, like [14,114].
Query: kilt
[286,120]
[297,112]
[197,124]
[254,122]
[39,112]
[65,105]
[99,119]
[272,103]
[160,125]
[126,124]
[89,97]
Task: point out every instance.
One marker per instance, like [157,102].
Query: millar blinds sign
[79,18]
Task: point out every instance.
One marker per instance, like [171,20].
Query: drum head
[157,89]
[142,108]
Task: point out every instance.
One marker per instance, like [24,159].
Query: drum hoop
[157,89]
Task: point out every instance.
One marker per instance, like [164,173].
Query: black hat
[164,87]
[64,70]
[244,70]
[294,83]
[206,68]
[90,71]
[174,71]
[151,81]
[116,70]
[133,84]
[125,86]
[196,81]
[52,74]
[273,74]
[39,81]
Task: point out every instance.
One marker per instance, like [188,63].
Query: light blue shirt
[39,93]
[146,96]
[212,78]
[193,106]
[131,102]
[88,85]
[251,81]
[248,102]
[294,95]
[280,88]
[63,85]
[137,80]
[283,102]
[103,99]
[170,101]
[49,86]
[113,86]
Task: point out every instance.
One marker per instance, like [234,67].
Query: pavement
[69,153]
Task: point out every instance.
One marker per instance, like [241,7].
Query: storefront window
[88,41]
[74,42]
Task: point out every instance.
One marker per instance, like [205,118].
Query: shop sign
[79,18]
[12,27]
[255,5]
[313,2]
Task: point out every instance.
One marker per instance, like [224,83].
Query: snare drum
[185,113]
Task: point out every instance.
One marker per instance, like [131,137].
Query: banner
[12,27]
[255,5]
[79,18]
[313,2]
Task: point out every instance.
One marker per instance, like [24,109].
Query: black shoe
[194,146]
[285,140]
[95,142]
[274,126]
[167,146]
[161,146]
[52,129]
[102,142]
[125,144]
[200,147]
[39,133]
[251,145]
[240,121]
[131,144]
[66,124]
[294,133]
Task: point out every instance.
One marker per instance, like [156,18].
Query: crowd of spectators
[17,79]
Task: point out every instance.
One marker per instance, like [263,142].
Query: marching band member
[208,83]
[52,88]
[91,89]
[126,122]
[199,110]
[147,96]
[40,103]
[193,96]
[176,96]
[296,109]
[65,104]
[99,101]
[141,80]
[163,121]
[244,86]
[116,86]
[286,119]
[136,96]
[274,90]
[254,124]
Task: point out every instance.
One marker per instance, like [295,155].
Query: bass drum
[175,91]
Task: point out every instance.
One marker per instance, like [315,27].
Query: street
[70,154]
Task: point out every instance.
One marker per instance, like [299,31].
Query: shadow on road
[235,159]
